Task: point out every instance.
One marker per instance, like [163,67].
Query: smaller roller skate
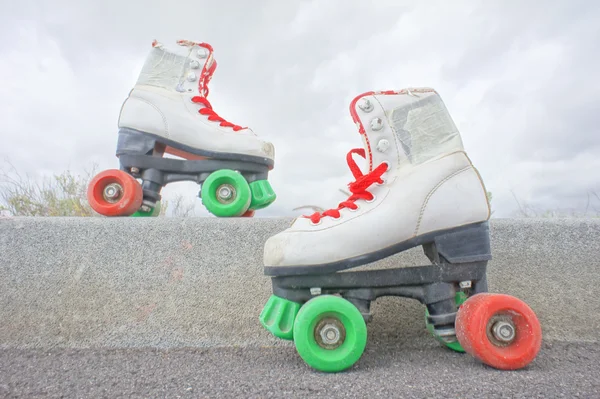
[168,112]
[421,189]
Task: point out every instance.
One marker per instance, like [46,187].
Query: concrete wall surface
[169,282]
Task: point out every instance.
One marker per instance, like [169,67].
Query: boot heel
[133,142]
[465,244]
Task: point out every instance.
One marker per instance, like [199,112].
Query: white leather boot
[420,185]
[169,103]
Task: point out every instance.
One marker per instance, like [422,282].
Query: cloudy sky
[520,79]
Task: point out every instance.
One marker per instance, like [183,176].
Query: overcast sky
[520,79]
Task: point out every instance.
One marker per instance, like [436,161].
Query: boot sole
[133,141]
[470,243]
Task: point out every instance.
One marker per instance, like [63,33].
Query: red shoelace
[212,115]
[358,188]
[205,77]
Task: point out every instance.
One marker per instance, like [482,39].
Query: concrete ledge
[99,282]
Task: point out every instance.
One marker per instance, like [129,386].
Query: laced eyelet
[371,200]
[359,188]
[383,181]
[315,224]
[210,114]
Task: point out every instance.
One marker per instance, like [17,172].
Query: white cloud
[516,78]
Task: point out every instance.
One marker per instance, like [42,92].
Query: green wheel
[455,346]
[330,333]
[152,213]
[226,193]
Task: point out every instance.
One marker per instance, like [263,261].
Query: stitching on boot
[157,110]
[433,190]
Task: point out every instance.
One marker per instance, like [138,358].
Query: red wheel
[499,330]
[115,193]
[248,214]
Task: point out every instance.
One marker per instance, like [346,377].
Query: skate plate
[232,184]
[245,182]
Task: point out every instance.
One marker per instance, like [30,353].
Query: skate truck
[168,112]
[421,190]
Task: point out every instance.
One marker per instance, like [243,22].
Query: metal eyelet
[365,105]
[376,124]
[202,53]
[383,145]
[383,181]
[191,76]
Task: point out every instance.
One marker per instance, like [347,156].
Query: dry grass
[61,195]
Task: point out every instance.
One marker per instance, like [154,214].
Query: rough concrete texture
[562,370]
[164,283]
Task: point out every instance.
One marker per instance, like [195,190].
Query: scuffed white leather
[459,200]
[173,115]
[160,103]
[391,218]
[434,188]
[141,114]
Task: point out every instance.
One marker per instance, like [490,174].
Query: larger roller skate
[168,112]
[421,189]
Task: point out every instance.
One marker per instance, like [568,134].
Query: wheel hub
[501,330]
[225,193]
[113,192]
[330,333]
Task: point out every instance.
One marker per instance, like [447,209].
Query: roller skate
[168,112]
[421,189]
